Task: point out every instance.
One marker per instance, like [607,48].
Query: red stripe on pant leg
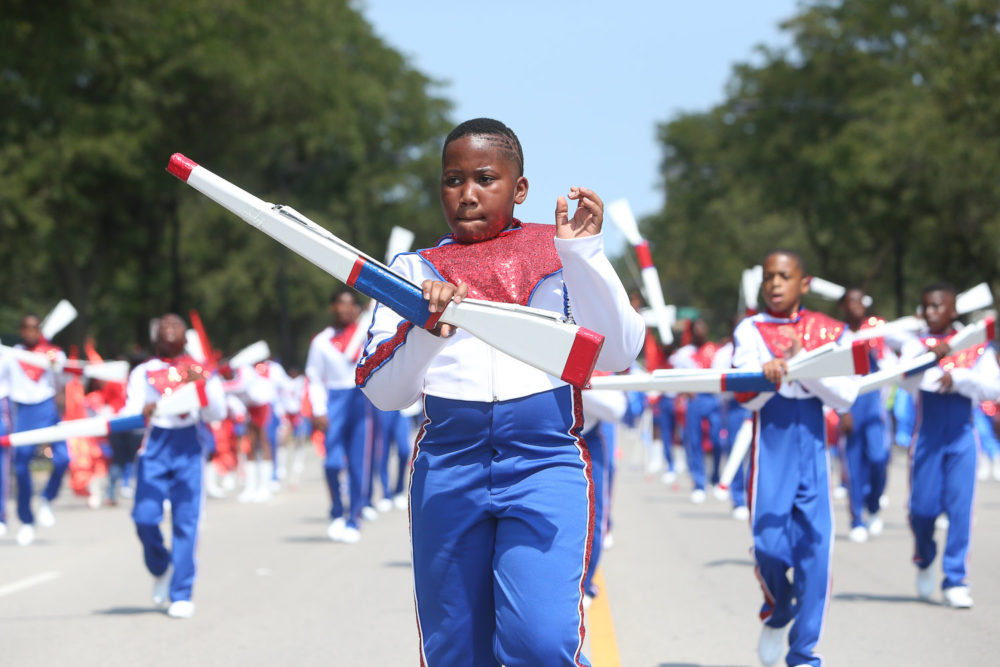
[588,471]
[409,517]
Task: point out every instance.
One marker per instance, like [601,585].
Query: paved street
[272,589]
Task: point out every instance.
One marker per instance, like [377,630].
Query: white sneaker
[942,522]
[181,609]
[883,501]
[875,525]
[212,487]
[94,493]
[46,519]
[720,493]
[840,492]
[263,493]
[249,483]
[383,505]
[26,535]
[669,477]
[400,501]
[3,529]
[609,541]
[983,468]
[368,513]
[926,583]
[161,587]
[698,496]
[741,513]
[958,597]
[351,535]
[858,535]
[126,492]
[771,645]
[335,531]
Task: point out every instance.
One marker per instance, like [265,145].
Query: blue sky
[583,84]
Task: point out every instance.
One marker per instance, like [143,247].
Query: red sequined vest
[506,268]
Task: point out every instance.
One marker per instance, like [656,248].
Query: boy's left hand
[586,220]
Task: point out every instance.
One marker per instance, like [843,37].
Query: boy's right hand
[775,369]
[439,294]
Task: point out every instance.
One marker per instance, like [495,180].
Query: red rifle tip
[181,166]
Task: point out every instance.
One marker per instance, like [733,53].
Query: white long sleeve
[139,392]
[401,361]
[598,301]
[750,354]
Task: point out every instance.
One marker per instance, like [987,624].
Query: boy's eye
[486,179]
[452,180]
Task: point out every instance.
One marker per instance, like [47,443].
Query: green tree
[297,101]
[870,144]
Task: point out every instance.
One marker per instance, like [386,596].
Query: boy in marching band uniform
[35,395]
[789,491]
[944,451]
[866,428]
[170,464]
[343,413]
[501,500]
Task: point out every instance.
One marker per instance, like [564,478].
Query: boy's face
[479,187]
[170,337]
[854,305]
[939,310]
[31,331]
[344,310]
[783,284]
[699,332]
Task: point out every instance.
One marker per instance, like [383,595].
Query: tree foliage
[871,145]
[297,101]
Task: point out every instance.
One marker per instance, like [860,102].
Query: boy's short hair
[508,142]
[344,289]
[790,253]
[941,286]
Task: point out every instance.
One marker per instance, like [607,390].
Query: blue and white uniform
[33,405]
[501,496]
[944,452]
[789,490]
[602,411]
[5,427]
[700,408]
[170,468]
[866,447]
[350,417]
[733,417]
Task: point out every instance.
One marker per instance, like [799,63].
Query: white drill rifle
[621,214]
[186,398]
[108,371]
[981,332]
[825,361]
[537,337]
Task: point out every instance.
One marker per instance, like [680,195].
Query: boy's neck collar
[790,315]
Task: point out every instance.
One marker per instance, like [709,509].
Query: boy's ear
[806,281]
[521,190]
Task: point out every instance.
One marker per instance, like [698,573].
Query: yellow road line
[603,643]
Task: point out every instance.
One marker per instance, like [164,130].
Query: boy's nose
[468,194]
